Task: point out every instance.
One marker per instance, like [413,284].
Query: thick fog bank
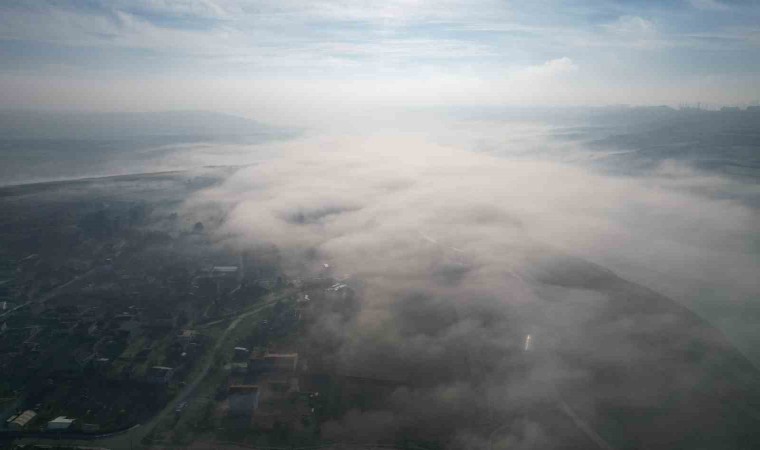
[456,257]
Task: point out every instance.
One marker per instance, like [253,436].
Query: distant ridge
[123,125]
[38,146]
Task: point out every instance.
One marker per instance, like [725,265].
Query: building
[60,423]
[286,363]
[224,271]
[338,291]
[228,276]
[241,354]
[337,287]
[186,337]
[159,375]
[22,420]
[243,399]
[219,280]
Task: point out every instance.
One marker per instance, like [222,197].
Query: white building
[22,420]
[60,423]
[159,375]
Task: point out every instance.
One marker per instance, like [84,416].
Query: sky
[250,56]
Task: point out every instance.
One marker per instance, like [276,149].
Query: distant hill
[44,146]
[125,125]
[722,141]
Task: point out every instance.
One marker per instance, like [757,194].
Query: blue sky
[103,54]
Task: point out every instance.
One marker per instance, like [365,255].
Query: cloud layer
[456,257]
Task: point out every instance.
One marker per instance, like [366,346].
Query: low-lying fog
[384,204]
[461,240]
[617,186]
[461,237]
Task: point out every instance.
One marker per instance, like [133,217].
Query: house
[224,271]
[187,336]
[159,375]
[22,420]
[241,354]
[274,362]
[60,423]
[243,399]
[227,277]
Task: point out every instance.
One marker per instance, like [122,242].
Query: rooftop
[23,419]
[62,420]
[243,388]
[280,361]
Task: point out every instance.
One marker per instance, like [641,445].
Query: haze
[412,224]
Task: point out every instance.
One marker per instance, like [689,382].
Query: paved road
[132,437]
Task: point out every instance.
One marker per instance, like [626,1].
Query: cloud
[549,69]
[632,26]
[635,31]
[455,257]
[117,29]
[709,5]
[174,10]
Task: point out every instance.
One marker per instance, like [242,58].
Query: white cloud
[551,68]
[203,9]
[709,5]
[404,216]
[633,26]
[120,30]
[633,31]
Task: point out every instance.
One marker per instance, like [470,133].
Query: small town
[136,328]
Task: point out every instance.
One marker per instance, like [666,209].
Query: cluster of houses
[267,391]
[24,420]
[265,387]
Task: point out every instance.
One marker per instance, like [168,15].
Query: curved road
[134,436]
